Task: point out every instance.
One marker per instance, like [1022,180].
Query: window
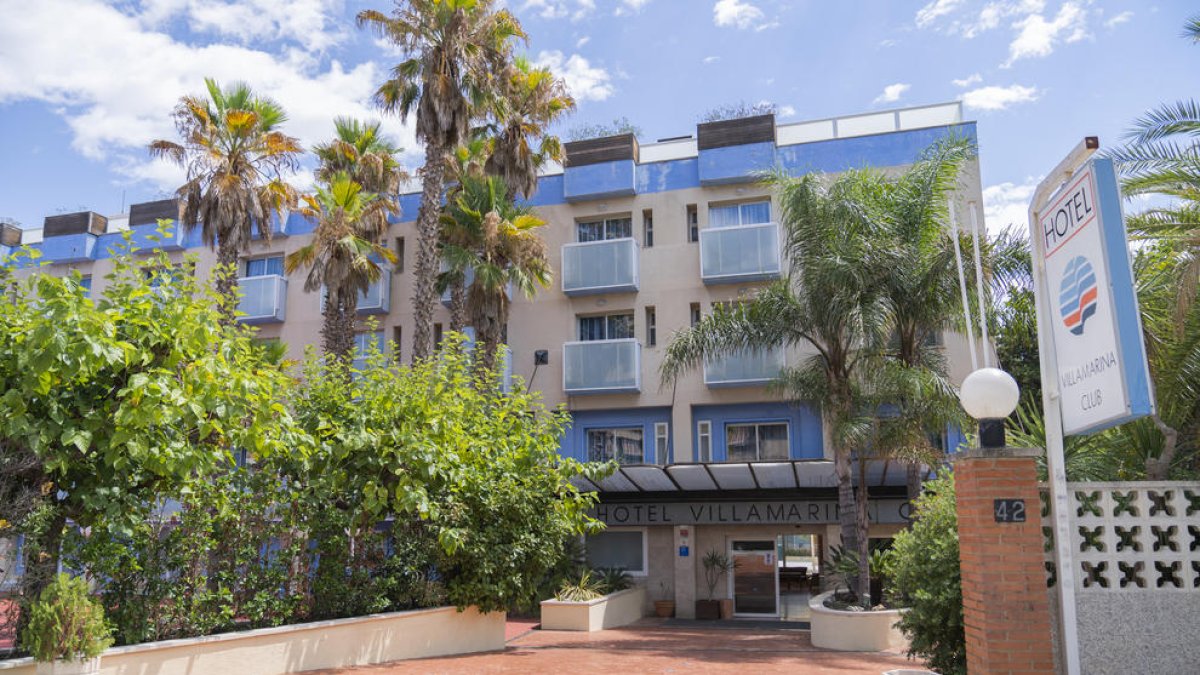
[735,215]
[257,267]
[704,441]
[397,334]
[437,335]
[618,547]
[651,327]
[756,442]
[693,224]
[609,327]
[85,282]
[363,342]
[623,445]
[662,441]
[694,313]
[399,269]
[648,228]
[165,276]
[604,229]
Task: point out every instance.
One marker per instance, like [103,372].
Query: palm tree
[364,154]
[830,301]
[529,101]
[235,156]
[342,256]
[488,234]
[456,51]
[466,161]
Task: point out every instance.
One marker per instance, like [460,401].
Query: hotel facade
[644,240]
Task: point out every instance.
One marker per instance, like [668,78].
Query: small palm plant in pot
[716,566]
[66,631]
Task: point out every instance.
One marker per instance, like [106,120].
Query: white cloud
[884,44]
[999,98]
[711,59]
[575,10]
[582,41]
[935,10]
[118,83]
[316,23]
[974,78]
[994,13]
[738,13]
[786,111]
[628,7]
[1119,19]
[892,92]
[1037,37]
[1007,204]
[585,81]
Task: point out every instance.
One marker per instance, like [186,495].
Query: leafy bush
[66,624]
[842,567]
[923,567]
[614,579]
[716,565]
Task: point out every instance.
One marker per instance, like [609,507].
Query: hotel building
[644,240]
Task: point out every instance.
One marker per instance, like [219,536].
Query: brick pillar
[1006,609]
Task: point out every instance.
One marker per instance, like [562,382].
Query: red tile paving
[515,628]
[650,647]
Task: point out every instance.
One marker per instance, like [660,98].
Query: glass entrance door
[755,577]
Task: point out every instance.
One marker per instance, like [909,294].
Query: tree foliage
[618,126]
[65,624]
[735,111]
[924,568]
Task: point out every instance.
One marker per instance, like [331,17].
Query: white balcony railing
[746,368]
[602,366]
[264,299]
[735,254]
[609,266]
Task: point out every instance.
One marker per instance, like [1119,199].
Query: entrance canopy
[737,476]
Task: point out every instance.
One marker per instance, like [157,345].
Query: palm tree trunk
[862,524]
[225,280]
[1159,468]
[458,306]
[913,479]
[426,269]
[488,315]
[846,503]
[337,331]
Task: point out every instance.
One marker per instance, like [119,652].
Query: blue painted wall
[736,163]
[70,247]
[574,442]
[804,433]
[593,181]
[148,237]
[732,163]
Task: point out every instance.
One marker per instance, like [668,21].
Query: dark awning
[737,476]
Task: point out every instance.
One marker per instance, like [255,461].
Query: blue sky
[85,84]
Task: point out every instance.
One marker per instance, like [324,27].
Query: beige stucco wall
[292,649]
[611,611]
[853,631]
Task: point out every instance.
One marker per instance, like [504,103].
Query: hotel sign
[1088,281]
[774,512]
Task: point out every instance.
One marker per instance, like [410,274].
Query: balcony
[747,368]
[264,299]
[609,266]
[602,366]
[730,255]
[378,298]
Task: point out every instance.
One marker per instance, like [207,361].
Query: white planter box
[617,609]
[339,643]
[853,631]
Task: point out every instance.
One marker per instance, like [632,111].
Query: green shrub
[65,624]
[924,572]
[583,589]
[614,579]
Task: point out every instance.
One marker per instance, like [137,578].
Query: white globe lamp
[990,395]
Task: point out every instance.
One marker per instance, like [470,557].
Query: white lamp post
[990,395]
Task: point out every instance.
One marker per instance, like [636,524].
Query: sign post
[1093,362]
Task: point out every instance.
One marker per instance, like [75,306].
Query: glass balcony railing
[609,266]
[378,298]
[602,366]
[746,368]
[264,299]
[735,254]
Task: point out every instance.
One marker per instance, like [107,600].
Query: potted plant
[716,565]
[66,631]
[664,608]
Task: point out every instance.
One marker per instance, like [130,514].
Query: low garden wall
[338,643]
[610,611]
[853,631]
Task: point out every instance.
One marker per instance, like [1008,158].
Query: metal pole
[983,329]
[962,287]
[1052,410]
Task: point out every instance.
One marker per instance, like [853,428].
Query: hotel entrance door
[755,577]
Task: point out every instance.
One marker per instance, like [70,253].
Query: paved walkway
[650,647]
